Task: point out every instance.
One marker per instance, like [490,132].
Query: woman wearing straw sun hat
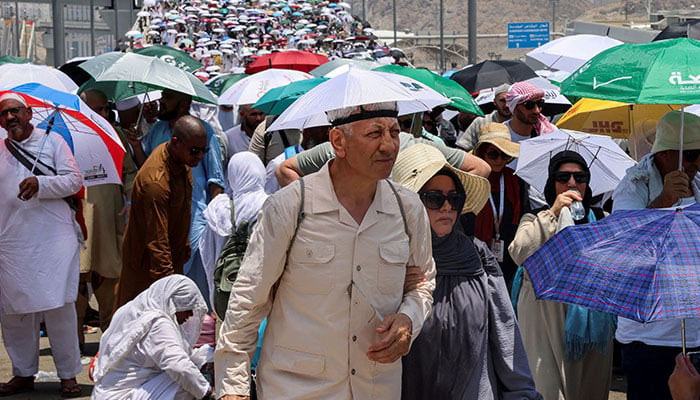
[498,221]
[470,346]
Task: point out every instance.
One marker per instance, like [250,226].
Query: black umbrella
[690,29]
[490,74]
[78,75]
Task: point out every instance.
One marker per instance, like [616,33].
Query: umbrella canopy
[78,75]
[292,59]
[276,100]
[95,144]
[612,118]
[133,71]
[172,56]
[556,103]
[12,75]
[637,264]
[250,89]
[330,66]
[354,88]
[663,72]
[460,98]
[489,74]
[571,52]
[606,160]
[689,29]
[13,60]
[219,84]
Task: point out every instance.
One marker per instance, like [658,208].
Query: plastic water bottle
[577,210]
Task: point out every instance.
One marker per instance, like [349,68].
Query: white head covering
[246,177]
[133,320]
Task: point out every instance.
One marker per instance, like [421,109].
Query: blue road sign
[524,35]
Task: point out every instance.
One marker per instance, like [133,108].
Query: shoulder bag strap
[22,159]
[403,213]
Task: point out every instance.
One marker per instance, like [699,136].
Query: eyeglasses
[13,111]
[434,199]
[196,150]
[529,105]
[495,154]
[579,177]
[691,155]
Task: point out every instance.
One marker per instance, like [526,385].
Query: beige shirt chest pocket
[393,257]
[310,268]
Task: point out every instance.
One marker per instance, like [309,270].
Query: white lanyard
[498,216]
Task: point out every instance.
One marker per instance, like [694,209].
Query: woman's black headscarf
[563,157]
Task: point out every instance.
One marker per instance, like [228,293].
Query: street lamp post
[471,15]
[395,41]
[442,39]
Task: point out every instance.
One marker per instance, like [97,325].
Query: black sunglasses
[579,177]
[691,155]
[434,199]
[196,150]
[529,105]
[495,154]
[13,111]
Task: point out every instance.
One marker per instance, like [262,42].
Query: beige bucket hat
[420,162]
[499,136]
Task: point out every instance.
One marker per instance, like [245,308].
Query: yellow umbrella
[612,118]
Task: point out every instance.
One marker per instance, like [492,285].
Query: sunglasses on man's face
[579,177]
[13,111]
[529,105]
[495,155]
[691,155]
[434,199]
[196,150]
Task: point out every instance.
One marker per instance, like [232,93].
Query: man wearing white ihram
[39,249]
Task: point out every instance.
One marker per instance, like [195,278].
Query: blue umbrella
[637,264]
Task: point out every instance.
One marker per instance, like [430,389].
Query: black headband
[363,115]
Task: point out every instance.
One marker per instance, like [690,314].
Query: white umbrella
[606,160]
[250,89]
[353,88]
[570,52]
[13,75]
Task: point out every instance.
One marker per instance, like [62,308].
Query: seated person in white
[147,351]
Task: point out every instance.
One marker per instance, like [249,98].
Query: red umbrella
[292,59]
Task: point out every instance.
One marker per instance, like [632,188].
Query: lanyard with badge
[497,245]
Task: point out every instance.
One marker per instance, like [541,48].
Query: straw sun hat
[499,136]
[420,162]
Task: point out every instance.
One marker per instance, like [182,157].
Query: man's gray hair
[348,111]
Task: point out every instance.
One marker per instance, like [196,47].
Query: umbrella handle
[680,152]
[683,336]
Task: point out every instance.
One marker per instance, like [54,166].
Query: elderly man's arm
[67,180]
[252,294]
[467,162]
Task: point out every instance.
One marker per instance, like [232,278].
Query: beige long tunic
[318,331]
[542,325]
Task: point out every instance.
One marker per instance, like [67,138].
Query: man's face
[150,111]
[169,105]
[465,119]
[530,116]
[251,117]
[429,124]
[190,151]
[372,146]
[500,102]
[691,162]
[99,105]
[15,118]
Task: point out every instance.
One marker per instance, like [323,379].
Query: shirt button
[358,268]
[354,338]
[353,371]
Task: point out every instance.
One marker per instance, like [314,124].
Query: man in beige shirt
[338,320]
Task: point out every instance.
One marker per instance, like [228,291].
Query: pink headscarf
[521,92]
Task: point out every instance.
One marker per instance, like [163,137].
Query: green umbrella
[13,60]
[171,56]
[323,69]
[116,90]
[222,82]
[461,99]
[131,73]
[276,100]
[663,72]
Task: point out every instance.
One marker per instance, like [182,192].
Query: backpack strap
[403,213]
[300,216]
[233,217]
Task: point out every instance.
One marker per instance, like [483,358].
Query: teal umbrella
[460,97]
[663,72]
[126,74]
[219,84]
[171,56]
[276,100]
[13,60]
